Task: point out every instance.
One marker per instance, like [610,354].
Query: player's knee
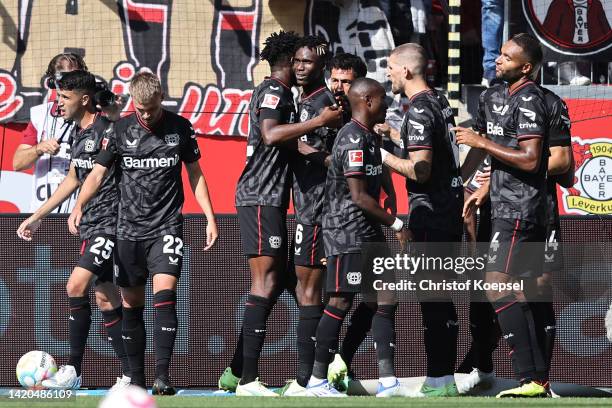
[103,302]
[132,298]
[343,302]
[267,286]
[308,296]
[76,288]
[544,284]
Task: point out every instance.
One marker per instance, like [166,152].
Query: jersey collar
[280,82]
[419,93]
[155,126]
[518,88]
[82,130]
[313,93]
[361,125]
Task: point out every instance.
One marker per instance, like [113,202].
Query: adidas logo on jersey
[83,164]
[150,162]
[493,129]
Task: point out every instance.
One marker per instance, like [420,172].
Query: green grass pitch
[351,402]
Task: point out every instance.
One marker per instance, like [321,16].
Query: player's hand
[323,261]
[28,227]
[331,116]
[403,236]
[473,202]
[390,205]
[211,234]
[74,220]
[305,149]
[383,129]
[113,111]
[484,176]
[49,146]
[468,137]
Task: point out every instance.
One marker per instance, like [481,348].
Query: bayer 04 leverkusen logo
[592,190]
[571,27]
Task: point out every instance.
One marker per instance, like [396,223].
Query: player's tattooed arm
[526,157]
[200,191]
[68,186]
[417,167]
[89,189]
[274,133]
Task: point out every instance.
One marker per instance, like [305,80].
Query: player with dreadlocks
[262,197]
[309,174]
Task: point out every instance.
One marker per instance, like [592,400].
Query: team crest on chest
[90,145]
[172,140]
[303,115]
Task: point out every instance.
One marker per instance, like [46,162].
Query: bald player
[430,164]
[353,217]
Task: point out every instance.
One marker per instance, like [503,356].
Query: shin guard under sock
[518,328]
[440,337]
[306,332]
[357,331]
[328,331]
[112,324]
[134,340]
[164,333]
[256,312]
[78,328]
[383,331]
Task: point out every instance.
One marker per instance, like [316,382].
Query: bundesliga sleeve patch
[104,143]
[270,101]
[355,158]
